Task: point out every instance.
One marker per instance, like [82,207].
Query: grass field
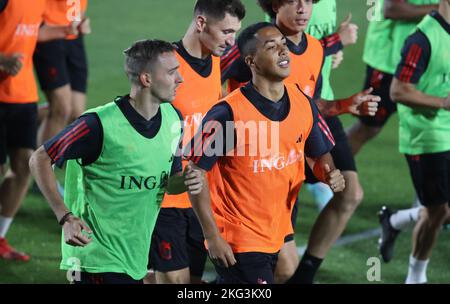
[383,171]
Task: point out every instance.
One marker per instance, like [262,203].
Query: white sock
[417,271]
[405,218]
[5,222]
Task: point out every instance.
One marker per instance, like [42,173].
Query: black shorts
[294,214]
[178,242]
[431,177]
[381,84]
[18,127]
[61,62]
[341,152]
[251,268]
[87,278]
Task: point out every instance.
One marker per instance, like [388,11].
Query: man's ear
[145,79]
[250,61]
[200,23]
[276,6]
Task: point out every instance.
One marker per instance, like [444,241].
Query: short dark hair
[142,54]
[217,9]
[247,40]
[267,6]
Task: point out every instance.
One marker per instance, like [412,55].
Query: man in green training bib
[121,159]
[421,87]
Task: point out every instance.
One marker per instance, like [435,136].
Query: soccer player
[421,87]
[61,67]
[20,23]
[392,22]
[307,56]
[178,254]
[119,158]
[252,203]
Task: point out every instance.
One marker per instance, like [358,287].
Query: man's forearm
[407,94]
[47,33]
[405,11]
[41,168]
[201,203]
[333,108]
[317,166]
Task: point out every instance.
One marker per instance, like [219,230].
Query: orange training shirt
[254,195]
[195,96]
[19,26]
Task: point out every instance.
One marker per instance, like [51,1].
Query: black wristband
[64,218]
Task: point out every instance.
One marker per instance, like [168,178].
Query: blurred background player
[20,23]
[392,22]
[61,67]
[120,163]
[178,253]
[323,26]
[252,205]
[421,86]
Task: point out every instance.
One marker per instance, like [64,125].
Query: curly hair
[267,6]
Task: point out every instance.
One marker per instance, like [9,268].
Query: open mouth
[284,63]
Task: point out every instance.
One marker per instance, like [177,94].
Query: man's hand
[446,104]
[348,32]
[11,65]
[220,252]
[337,59]
[73,232]
[364,104]
[193,180]
[334,179]
[85,26]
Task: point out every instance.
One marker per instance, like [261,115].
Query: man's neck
[295,37]
[144,103]
[272,90]
[192,44]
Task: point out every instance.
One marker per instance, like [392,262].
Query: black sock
[306,270]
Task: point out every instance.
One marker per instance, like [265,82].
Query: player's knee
[181,276]
[61,111]
[437,215]
[351,197]
[60,102]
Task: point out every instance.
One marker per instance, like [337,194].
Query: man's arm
[219,250]
[49,32]
[80,140]
[190,180]
[41,168]
[407,94]
[325,171]
[360,104]
[402,10]
[12,64]
[409,72]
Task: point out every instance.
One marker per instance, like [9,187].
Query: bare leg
[359,134]
[78,104]
[287,263]
[15,185]
[181,276]
[334,218]
[60,111]
[427,230]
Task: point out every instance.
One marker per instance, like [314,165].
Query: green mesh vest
[401,31]
[379,43]
[428,130]
[119,195]
[322,24]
